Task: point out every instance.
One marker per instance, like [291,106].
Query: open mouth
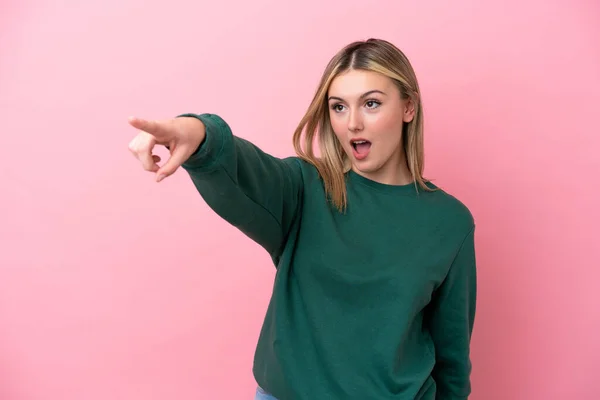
[361,147]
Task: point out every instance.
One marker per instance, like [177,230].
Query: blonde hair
[372,55]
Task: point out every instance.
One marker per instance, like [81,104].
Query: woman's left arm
[451,323]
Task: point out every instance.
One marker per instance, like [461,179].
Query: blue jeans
[262,395]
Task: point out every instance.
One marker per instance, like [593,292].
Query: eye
[372,104]
[337,107]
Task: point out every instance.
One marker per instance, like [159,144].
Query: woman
[374,295]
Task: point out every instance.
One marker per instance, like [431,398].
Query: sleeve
[452,319]
[257,193]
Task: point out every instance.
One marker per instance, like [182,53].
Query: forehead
[356,82]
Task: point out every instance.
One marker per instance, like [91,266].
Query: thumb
[155,128]
[178,156]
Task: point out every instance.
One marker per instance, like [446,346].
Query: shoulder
[307,170]
[449,208]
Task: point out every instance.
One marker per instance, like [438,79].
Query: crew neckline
[408,188]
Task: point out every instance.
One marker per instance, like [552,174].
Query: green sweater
[374,303]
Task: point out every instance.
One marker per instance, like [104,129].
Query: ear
[409,110]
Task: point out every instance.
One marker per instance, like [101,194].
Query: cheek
[338,126]
[386,125]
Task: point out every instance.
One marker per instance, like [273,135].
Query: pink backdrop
[115,287]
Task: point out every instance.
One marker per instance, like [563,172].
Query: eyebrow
[370,92]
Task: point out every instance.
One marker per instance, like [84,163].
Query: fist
[181,136]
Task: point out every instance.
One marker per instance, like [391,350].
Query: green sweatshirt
[374,303]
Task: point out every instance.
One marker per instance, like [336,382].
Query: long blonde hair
[372,55]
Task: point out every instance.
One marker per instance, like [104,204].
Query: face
[367,114]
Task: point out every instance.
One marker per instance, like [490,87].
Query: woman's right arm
[256,192]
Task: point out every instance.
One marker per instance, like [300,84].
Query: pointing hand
[181,136]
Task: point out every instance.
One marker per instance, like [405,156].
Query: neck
[394,172]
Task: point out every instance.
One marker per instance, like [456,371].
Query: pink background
[115,287]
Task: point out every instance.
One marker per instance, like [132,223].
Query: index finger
[154,128]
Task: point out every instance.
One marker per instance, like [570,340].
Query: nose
[355,123]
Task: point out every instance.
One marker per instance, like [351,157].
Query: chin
[365,166]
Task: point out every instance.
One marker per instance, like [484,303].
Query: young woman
[374,295]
